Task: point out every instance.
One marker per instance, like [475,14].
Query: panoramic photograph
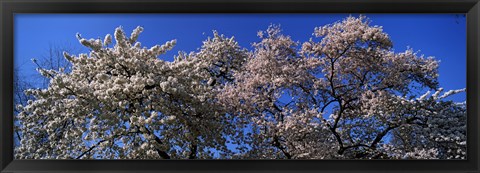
[240,86]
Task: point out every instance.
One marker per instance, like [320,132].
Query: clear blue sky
[439,35]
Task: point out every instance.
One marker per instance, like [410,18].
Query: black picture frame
[8,8]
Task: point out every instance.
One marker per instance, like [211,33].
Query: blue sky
[440,35]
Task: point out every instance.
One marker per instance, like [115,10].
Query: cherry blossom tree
[344,94]
[347,92]
[124,102]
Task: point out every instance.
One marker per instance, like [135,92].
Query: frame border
[8,8]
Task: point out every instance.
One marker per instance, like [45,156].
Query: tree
[344,94]
[52,60]
[19,98]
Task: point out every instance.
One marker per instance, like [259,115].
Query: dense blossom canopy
[344,94]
